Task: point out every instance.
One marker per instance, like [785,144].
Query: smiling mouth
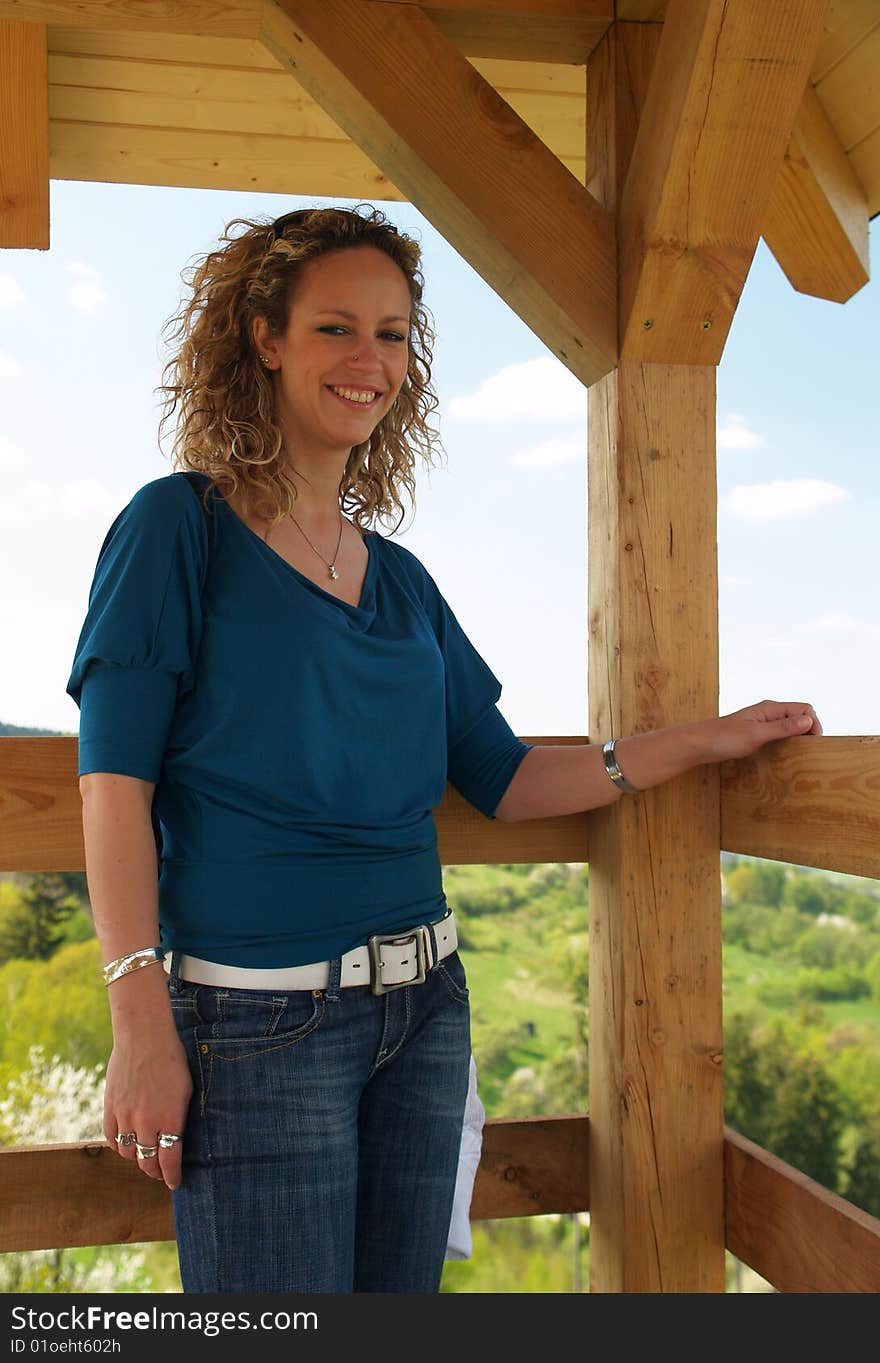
[354,397]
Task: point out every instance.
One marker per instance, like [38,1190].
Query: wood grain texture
[817,222]
[24,143]
[468,162]
[729,78]
[41,816]
[655,932]
[791,1230]
[808,801]
[40,805]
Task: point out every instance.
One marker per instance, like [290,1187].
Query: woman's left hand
[744,731]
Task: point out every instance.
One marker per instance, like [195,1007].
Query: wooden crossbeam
[817,222]
[807,805]
[807,801]
[563,31]
[61,1196]
[791,1230]
[799,1236]
[24,137]
[441,133]
[728,81]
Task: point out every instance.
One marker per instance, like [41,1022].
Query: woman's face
[347,334]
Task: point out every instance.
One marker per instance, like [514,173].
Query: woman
[286,692]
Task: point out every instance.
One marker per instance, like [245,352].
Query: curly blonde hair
[226,426]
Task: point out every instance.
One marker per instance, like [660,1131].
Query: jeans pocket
[240,1022]
[452,973]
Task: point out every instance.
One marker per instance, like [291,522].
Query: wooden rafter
[525,30]
[468,162]
[24,140]
[729,79]
[817,222]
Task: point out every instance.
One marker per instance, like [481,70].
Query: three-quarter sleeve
[483,752]
[138,647]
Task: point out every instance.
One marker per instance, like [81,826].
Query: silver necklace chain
[334,571]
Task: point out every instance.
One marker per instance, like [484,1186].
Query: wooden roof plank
[176,94]
[24,146]
[466,160]
[199,159]
[728,82]
[217,18]
[817,222]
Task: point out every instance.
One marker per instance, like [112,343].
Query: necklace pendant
[333,572]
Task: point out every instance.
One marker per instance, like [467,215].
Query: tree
[755,882]
[806,1120]
[32,926]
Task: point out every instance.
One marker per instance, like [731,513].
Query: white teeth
[353,395]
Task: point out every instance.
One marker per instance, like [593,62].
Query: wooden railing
[812,802]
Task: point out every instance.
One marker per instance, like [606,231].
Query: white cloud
[779,501]
[10,368]
[87,295]
[536,390]
[12,295]
[736,434]
[79,267]
[550,453]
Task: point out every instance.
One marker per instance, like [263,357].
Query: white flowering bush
[55,1103]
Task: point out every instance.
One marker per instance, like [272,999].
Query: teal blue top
[299,745]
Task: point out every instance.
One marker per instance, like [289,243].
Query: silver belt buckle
[419,939]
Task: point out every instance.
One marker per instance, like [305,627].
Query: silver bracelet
[134,960]
[614,771]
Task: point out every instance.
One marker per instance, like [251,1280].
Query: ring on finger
[146,1151]
[167,1139]
[126,1138]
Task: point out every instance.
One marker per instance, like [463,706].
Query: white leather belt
[386,961]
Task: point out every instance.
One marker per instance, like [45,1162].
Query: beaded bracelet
[134,960]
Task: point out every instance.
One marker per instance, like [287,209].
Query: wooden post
[24,136]
[656,1108]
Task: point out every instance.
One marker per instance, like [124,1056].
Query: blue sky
[500,522]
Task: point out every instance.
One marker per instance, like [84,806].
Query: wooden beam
[62,1196]
[655,897]
[796,1234]
[729,79]
[525,30]
[213,18]
[41,816]
[808,801]
[563,31]
[817,222]
[468,162]
[791,1230]
[24,140]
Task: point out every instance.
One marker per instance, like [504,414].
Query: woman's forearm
[122,878]
[566,780]
[561,780]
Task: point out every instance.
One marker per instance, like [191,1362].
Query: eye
[335,328]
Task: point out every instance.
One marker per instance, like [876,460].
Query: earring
[265,359]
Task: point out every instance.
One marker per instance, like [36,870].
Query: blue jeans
[321,1146]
